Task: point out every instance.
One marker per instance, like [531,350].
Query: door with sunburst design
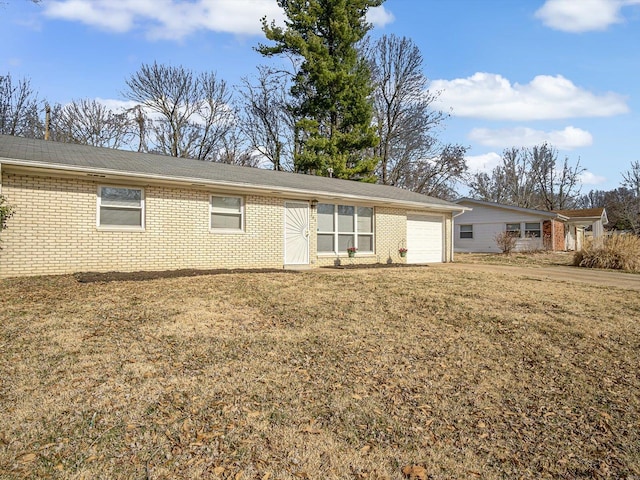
[296,233]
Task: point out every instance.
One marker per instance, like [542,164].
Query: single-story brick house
[81,208]
[475,230]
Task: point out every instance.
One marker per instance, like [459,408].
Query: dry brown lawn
[319,375]
[542,258]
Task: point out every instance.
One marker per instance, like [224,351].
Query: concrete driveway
[604,278]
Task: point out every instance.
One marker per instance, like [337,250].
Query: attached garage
[425,239]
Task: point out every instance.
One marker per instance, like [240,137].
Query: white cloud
[379,16]
[175,19]
[566,139]
[588,178]
[483,163]
[171,19]
[491,96]
[582,15]
[116,105]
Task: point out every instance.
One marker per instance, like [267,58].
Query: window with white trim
[466,231]
[120,207]
[227,214]
[532,230]
[343,226]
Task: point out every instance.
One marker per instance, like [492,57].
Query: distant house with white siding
[476,230]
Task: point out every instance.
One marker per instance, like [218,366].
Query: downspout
[453,232]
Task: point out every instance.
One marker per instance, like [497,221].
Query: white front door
[296,233]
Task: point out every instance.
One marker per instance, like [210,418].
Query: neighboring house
[80,208]
[476,230]
[581,221]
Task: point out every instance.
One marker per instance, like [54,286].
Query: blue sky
[512,72]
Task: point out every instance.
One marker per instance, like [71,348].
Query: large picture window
[120,207]
[343,226]
[227,214]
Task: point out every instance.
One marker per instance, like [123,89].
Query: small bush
[506,241]
[618,252]
[6,211]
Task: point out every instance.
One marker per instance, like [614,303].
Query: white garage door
[425,237]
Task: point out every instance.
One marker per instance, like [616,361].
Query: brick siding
[54,231]
[553,235]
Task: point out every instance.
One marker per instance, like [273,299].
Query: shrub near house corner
[5,212]
[619,252]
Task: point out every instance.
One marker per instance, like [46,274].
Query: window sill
[227,232]
[116,228]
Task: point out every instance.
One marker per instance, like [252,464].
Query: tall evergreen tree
[332,85]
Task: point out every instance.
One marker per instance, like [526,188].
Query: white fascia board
[231,186]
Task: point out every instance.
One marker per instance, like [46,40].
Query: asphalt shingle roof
[67,156]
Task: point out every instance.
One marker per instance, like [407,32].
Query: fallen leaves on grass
[363,372]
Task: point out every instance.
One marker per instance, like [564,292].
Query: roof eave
[200,182]
[531,211]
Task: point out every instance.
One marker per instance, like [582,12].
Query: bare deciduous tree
[530,178]
[436,176]
[631,205]
[90,122]
[19,110]
[410,155]
[236,151]
[508,183]
[267,122]
[631,178]
[194,111]
[557,187]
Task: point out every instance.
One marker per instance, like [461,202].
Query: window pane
[325,243]
[116,197]
[226,204]
[365,243]
[532,229]
[344,242]
[120,216]
[365,220]
[325,218]
[226,221]
[345,218]
[513,227]
[466,228]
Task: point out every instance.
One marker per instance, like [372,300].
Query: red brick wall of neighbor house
[553,236]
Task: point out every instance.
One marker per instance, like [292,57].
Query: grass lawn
[518,258]
[319,375]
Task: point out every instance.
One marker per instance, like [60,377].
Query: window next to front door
[344,226]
